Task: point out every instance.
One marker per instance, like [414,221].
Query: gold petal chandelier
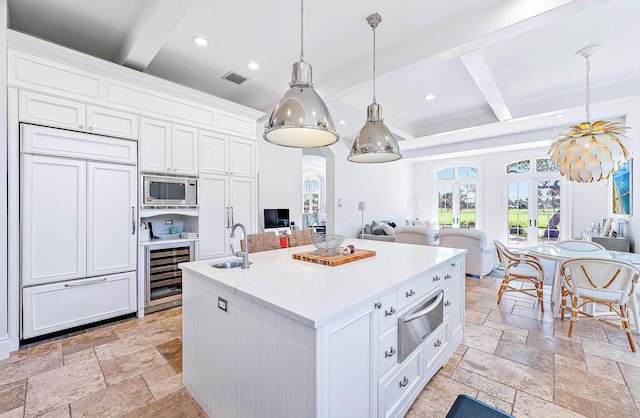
[590,152]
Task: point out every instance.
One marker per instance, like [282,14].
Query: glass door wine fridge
[163,276]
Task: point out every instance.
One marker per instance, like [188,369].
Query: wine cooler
[164,277]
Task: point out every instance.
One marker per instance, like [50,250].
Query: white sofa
[416,235]
[481,256]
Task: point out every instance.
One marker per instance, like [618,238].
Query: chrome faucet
[244,254]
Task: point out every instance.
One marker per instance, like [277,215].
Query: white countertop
[314,294]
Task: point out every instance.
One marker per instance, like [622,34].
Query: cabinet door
[453,275]
[51,111]
[242,157]
[57,306]
[111,122]
[53,219]
[184,150]
[111,218]
[348,365]
[214,216]
[214,153]
[155,138]
[242,203]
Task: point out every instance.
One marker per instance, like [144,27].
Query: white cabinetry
[223,201]
[168,148]
[53,111]
[222,154]
[78,222]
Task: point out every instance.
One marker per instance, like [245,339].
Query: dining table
[558,255]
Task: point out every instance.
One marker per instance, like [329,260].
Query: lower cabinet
[57,306]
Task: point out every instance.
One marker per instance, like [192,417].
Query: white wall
[4,301]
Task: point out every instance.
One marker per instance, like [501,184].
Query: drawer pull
[390,353]
[447,303]
[410,293]
[453,264]
[104,279]
[390,311]
[447,276]
[404,382]
[377,305]
[438,343]
[435,279]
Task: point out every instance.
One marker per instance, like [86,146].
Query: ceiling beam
[479,70]
[151,31]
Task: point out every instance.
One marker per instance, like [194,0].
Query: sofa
[416,235]
[385,230]
[481,255]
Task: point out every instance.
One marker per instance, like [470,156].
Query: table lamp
[362,206]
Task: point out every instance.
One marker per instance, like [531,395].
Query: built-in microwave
[169,191]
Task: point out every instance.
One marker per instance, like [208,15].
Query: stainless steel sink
[228,264]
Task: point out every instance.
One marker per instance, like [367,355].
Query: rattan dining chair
[520,267]
[609,282]
[579,245]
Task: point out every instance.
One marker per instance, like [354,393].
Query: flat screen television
[276,218]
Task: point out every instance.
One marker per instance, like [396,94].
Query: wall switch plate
[339,203]
[168,222]
[222,303]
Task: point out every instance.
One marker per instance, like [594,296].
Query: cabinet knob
[175,169]
[91,128]
[377,305]
[438,343]
[447,276]
[168,169]
[453,264]
[390,353]
[404,382]
[410,293]
[447,303]
[390,311]
[81,126]
[437,278]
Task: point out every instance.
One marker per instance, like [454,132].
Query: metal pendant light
[374,143]
[301,119]
[590,152]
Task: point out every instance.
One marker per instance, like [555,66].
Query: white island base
[289,338]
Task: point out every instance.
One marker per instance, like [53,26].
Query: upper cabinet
[168,148]
[229,155]
[68,114]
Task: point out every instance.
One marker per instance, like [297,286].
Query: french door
[457,205]
[534,212]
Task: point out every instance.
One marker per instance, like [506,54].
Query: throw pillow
[367,229]
[392,225]
[388,229]
[420,222]
[376,228]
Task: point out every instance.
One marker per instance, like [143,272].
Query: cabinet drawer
[415,289]
[387,350]
[51,141]
[397,385]
[435,345]
[388,315]
[112,122]
[54,307]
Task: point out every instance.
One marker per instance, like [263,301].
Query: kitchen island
[292,338]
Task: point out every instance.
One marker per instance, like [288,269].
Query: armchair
[481,256]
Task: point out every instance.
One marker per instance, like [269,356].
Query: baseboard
[4,347]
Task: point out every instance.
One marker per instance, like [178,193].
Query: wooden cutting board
[333,260]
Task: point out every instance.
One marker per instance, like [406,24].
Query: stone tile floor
[513,357]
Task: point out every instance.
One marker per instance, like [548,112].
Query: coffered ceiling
[496,66]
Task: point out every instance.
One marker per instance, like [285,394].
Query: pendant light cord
[374,65]
[588,86]
[301,30]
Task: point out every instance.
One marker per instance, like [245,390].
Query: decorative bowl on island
[326,244]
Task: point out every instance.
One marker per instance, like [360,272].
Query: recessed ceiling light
[200,40]
[252,65]
[430,96]
[343,122]
[558,115]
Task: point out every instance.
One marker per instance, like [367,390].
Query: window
[457,197]
[310,196]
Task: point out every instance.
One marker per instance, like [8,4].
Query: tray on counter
[333,260]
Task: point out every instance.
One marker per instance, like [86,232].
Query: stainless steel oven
[418,323]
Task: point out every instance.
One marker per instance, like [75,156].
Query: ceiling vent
[234,78]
